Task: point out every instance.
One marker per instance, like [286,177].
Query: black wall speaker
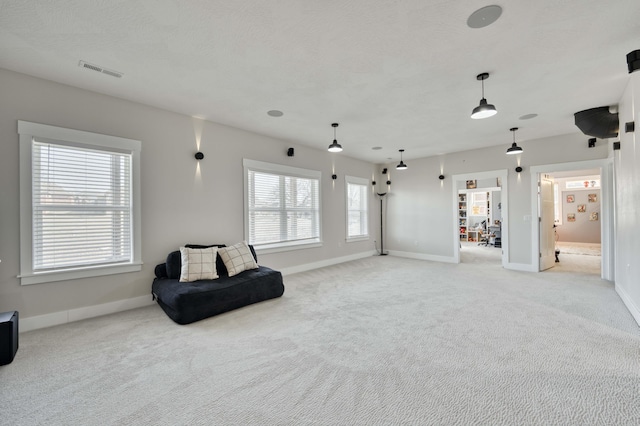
[633,60]
[290,152]
[592,142]
[629,127]
[616,145]
[8,336]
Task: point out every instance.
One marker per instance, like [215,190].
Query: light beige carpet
[589,249]
[379,341]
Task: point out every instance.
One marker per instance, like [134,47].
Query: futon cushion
[238,258]
[198,264]
[220,268]
[174,261]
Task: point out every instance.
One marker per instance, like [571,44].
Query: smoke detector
[97,68]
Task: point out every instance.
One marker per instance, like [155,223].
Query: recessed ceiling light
[376,148]
[275,113]
[528,116]
[484,16]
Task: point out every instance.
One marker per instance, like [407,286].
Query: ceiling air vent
[99,69]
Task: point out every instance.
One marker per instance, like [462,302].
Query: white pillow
[198,264]
[237,258]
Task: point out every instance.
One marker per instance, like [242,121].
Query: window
[282,207]
[79,204]
[357,208]
[583,184]
[479,203]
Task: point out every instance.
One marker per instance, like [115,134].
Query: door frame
[606,210]
[504,194]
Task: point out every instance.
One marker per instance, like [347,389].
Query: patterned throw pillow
[198,264]
[237,258]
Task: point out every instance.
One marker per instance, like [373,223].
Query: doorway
[480,227]
[582,217]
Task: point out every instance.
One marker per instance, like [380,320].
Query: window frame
[261,166]
[29,131]
[353,180]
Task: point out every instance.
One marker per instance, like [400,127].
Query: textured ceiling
[394,73]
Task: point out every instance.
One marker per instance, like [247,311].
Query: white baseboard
[633,309]
[524,267]
[450,259]
[324,263]
[63,317]
[422,256]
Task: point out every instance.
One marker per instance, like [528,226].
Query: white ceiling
[394,73]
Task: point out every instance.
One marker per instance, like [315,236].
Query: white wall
[180,203]
[583,229]
[627,202]
[420,208]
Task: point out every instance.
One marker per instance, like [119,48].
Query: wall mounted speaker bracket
[630,127]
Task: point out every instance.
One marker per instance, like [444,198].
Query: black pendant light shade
[485,109]
[515,149]
[335,146]
[401,166]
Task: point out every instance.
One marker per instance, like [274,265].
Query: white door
[546,221]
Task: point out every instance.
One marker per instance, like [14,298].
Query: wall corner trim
[626,299]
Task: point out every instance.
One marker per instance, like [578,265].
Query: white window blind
[357,207]
[79,204]
[82,208]
[283,205]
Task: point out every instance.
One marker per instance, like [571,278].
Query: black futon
[187,302]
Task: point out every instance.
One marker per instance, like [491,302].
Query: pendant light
[485,109]
[515,149]
[401,166]
[335,146]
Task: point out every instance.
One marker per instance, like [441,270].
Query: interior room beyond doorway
[578,234]
[479,217]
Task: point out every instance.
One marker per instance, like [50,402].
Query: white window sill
[71,274]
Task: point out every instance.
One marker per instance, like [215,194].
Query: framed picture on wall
[571,217]
[593,216]
[571,198]
[471,184]
[582,208]
[593,198]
